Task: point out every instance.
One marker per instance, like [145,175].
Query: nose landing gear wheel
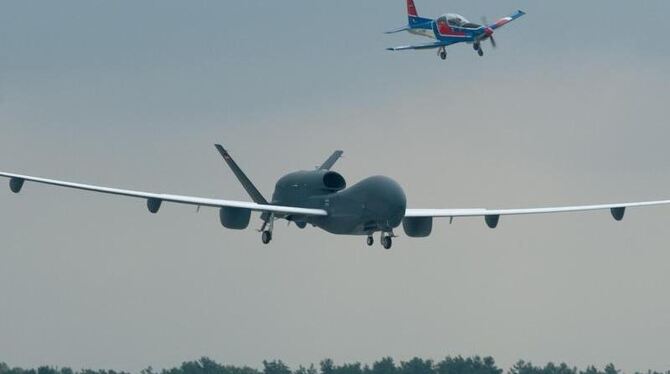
[266,237]
[387,242]
[370,240]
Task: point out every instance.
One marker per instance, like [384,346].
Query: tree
[384,366]
[610,369]
[416,366]
[327,366]
[303,370]
[275,367]
[470,365]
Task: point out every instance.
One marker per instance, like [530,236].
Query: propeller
[490,32]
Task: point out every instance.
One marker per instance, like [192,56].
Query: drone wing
[154,200]
[493,215]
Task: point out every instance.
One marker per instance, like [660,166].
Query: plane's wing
[505,20]
[419,46]
[154,200]
[492,215]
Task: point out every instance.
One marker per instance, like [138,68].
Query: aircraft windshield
[456,20]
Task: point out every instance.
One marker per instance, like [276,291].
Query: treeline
[450,365]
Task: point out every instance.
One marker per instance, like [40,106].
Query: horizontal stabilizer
[399,29]
[253,192]
[331,160]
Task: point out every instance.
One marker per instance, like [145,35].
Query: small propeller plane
[449,29]
[321,198]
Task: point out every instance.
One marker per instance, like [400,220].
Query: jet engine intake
[334,181]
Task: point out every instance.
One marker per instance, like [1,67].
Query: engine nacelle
[154,204]
[492,220]
[15,184]
[618,213]
[417,227]
[235,218]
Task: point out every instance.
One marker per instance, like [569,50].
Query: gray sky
[571,108]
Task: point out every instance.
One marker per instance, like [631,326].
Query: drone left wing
[154,200]
[493,215]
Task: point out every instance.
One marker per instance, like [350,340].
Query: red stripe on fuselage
[445,30]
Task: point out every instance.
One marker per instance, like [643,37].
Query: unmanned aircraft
[321,198]
[449,29]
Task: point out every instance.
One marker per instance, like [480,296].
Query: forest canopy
[449,365]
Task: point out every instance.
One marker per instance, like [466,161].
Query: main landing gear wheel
[387,242]
[267,228]
[442,52]
[480,52]
[370,240]
[266,237]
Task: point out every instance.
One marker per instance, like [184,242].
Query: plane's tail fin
[413,19]
[411,9]
[253,192]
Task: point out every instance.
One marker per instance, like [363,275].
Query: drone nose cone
[388,200]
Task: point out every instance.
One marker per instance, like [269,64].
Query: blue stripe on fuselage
[460,35]
[420,23]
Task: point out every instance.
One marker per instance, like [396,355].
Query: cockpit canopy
[456,20]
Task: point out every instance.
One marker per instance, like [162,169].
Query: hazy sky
[570,108]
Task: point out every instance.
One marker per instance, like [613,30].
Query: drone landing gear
[442,52]
[266,234]
[370,240]
[387,240]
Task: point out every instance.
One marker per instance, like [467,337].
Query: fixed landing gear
[370,240]
[442,52]
[478,47]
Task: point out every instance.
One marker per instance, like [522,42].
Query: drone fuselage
[374,204]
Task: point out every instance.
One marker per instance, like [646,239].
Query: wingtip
[221,150]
